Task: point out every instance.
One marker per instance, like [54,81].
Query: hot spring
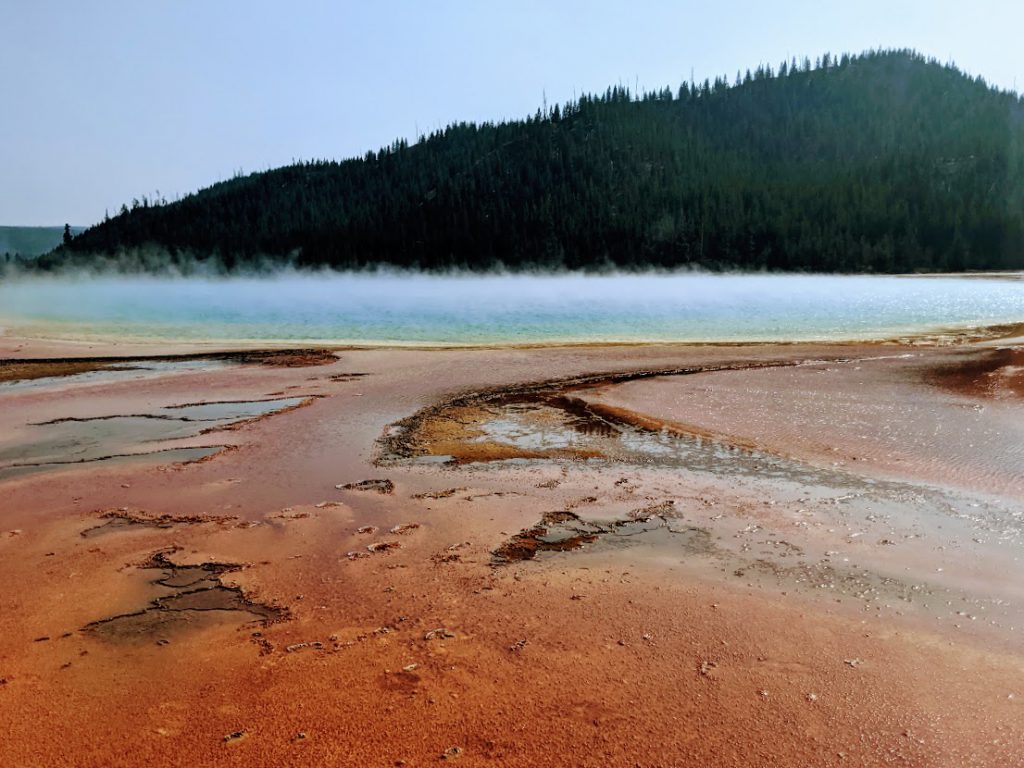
[394,308]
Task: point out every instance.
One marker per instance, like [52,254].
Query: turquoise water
[395,308]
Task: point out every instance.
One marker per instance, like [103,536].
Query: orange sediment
[538,613]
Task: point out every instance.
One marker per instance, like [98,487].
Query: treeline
[27,242]
[880,162]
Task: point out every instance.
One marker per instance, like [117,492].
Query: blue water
[395,308]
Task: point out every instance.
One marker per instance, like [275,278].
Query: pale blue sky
[113,99]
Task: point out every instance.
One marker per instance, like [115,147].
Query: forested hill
[884,161]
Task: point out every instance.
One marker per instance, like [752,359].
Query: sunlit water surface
[395,308]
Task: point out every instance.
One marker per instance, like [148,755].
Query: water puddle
[231,410]
[565,531]
[166,456]
[32,375]
[117,438]
[186,596]
[17,375]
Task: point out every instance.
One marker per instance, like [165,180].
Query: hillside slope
[880,162]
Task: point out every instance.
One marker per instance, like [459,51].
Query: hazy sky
[109,100]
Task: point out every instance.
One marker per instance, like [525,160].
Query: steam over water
[333,307]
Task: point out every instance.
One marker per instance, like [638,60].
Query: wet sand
[573,561]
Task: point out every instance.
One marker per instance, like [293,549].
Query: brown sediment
[988,373]
[404,528]
[284,358]
[195,590]
[383,546]
[13,369]
[457,432]
[19,370]
[85,419]
[271,399]
[122,519]
[445,494]
[569,533]
[379,485]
